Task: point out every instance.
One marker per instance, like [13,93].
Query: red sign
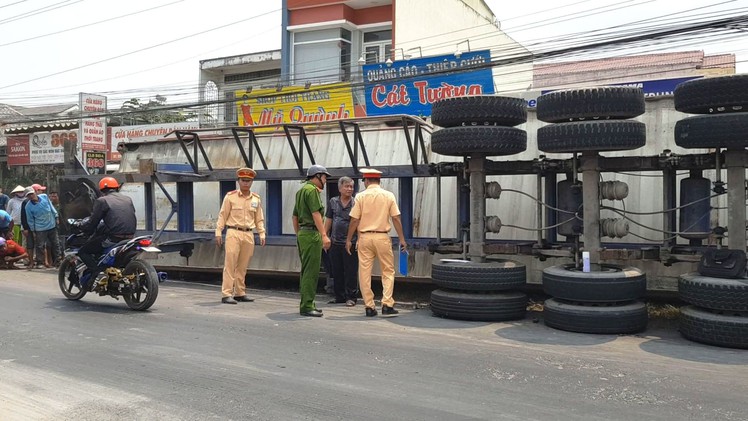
[18,150]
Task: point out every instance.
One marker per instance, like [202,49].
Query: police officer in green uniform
[311,236]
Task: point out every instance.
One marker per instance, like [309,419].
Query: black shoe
[228,300]
[370,312]
[312,313]
[336,301]
[387,310]
[244,299]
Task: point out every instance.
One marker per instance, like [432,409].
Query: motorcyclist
[118,214]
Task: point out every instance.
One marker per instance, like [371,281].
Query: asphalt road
[192,358]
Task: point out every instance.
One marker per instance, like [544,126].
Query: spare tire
[618,319]
[605,284]
[485,110]
[723,94]
[495,275]
[580,136]
[599,103]
[478,307]
[709,327]
[714,293]
[713,131]
[481,140]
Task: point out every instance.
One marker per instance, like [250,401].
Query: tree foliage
[155,110]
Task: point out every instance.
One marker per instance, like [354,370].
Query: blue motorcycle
[125,275]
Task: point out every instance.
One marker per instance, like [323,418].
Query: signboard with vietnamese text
[651,88]
[95,162]
[411,86]
[295,104]
[44,148]
[18,150]
[92,129]
[39,147]
[144,133]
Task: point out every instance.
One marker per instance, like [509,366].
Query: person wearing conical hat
[14,209]
[370,216]
[241,214]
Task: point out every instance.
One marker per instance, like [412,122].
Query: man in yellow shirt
[371,214]
[241,213]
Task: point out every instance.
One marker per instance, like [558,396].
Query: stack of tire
[479,291]
[479,126]
[718,310]
[605,300]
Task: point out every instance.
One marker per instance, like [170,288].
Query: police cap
[370,173]
[246,173]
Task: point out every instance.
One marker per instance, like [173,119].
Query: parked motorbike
[125,275]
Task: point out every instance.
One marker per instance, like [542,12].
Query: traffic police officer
[371,214]
[311,237]
[241,213]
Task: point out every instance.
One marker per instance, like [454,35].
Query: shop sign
[651,88]
[18,150]
[96,162]
[93,129]
[46,148]
[295,104]
[143,133]
[412,86]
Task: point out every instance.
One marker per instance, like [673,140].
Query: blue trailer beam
[185,207]
[405,193]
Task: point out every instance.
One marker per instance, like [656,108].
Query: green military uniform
[309,241]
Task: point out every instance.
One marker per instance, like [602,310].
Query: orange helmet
[108,183]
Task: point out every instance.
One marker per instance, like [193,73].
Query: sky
[53,49]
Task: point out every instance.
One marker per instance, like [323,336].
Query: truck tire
[482,140]
[617,319]
[600,103]
[725,94]
[713,131]
[609,284]
[493,307]
[496,275]
[580,136]
[708,327]
[714,293]
[481,110]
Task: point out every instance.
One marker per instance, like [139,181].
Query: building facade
[326,42]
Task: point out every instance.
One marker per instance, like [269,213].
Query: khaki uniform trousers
[370,246]
[240,246]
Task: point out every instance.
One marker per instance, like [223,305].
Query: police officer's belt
[239,228]
[308,228]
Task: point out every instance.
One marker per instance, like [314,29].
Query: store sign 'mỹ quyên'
[296,104]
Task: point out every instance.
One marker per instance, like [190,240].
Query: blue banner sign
[411,86]
[651,88]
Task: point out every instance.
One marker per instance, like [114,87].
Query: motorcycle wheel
[145,290]
[67,277]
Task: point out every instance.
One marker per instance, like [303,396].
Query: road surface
[192,358]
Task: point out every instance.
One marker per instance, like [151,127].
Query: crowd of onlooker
[28,228]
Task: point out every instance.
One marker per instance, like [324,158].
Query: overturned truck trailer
[466,191]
